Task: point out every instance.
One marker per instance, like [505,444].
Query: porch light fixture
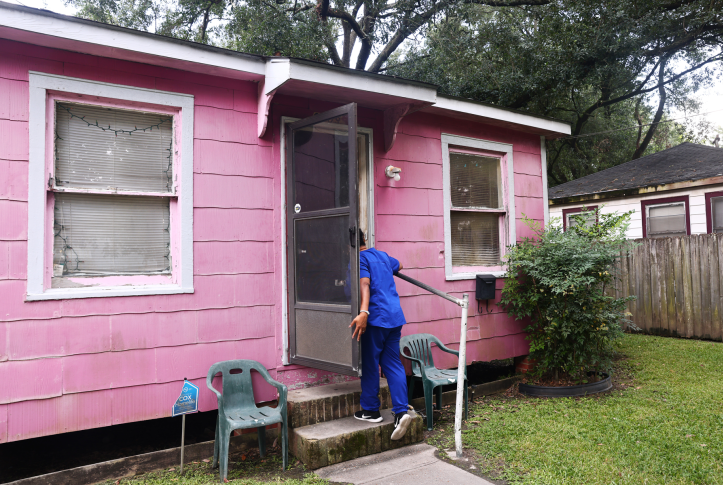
[393,172]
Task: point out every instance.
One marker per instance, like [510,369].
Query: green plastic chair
[237,409]
[418,349]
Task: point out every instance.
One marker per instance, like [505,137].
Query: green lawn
[663,423]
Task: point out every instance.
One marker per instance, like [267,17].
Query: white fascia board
[281,70]
[491,112]
[55,25]
[278,71]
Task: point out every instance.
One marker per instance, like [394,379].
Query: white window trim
[543,160]
[40,83]
[510,235]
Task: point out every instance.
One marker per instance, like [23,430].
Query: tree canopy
[602,66]
[616,67]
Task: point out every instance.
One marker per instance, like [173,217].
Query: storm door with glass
[323,250]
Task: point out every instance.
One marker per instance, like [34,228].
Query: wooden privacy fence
[678,284]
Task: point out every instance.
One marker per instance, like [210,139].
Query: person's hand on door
[361,325]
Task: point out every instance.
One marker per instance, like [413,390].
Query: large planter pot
[568,391]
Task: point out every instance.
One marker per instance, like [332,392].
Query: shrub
[562,282]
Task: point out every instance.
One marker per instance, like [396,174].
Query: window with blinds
[588,218]
[716,210]
[113,183]
[666,220]
[475,181]
[475,184]
[475,239]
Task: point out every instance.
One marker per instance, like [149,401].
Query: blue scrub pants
[380,346]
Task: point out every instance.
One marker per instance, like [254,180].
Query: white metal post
[461,367]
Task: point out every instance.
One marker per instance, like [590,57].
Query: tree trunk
[658,114]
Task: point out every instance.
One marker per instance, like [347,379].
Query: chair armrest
[413,359]
[281,388]
[416,361]
[209,384]
[444,348]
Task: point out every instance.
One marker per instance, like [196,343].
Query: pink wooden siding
[492,335]
[77,364]
[409,222]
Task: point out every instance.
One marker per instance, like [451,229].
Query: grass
[244,469]
[662,423]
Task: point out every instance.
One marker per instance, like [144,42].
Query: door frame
[284,257]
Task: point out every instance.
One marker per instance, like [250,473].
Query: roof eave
[539,125]
[49,29]
[635,191]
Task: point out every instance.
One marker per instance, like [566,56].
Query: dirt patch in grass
[245,468]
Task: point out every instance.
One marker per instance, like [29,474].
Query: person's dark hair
[362,240]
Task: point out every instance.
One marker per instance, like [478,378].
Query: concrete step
[332,442]
[326,403]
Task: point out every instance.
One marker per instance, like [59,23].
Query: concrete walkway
[411,465]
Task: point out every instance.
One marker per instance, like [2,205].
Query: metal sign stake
[183,438]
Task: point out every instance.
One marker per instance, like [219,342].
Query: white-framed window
[110,206]
[571,217]
[666,217]
[716,211]
[479,205]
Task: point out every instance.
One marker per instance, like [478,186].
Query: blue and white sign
[187,402]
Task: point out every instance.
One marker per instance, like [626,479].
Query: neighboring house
[675,192]
[153,219]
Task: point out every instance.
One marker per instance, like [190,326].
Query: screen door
[323,250]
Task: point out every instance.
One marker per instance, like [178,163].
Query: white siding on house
[697,208]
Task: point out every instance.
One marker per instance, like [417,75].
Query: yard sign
[187,402]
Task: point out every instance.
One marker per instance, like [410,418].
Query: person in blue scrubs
[379,327]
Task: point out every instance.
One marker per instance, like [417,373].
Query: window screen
[716,210]
[475,238]
[112,151]
[667,220]
[475,181]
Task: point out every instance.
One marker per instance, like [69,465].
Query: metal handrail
[428,288]
[461,361]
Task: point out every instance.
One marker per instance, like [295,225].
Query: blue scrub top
[384,308]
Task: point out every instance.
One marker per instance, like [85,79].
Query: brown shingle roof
[685,162]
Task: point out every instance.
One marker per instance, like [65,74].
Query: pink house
[166,205]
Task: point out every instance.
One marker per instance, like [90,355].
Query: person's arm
[396,265]
[360,322]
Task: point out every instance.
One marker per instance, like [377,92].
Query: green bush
[561,281]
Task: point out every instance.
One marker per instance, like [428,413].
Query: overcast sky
[713,97]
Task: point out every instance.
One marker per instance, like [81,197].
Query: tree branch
[334,54]
[508,3]
[405,30]
[368,24]
[347,44]
[658,115]
[340,14]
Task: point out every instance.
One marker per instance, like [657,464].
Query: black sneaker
[371,416]
[401,424]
